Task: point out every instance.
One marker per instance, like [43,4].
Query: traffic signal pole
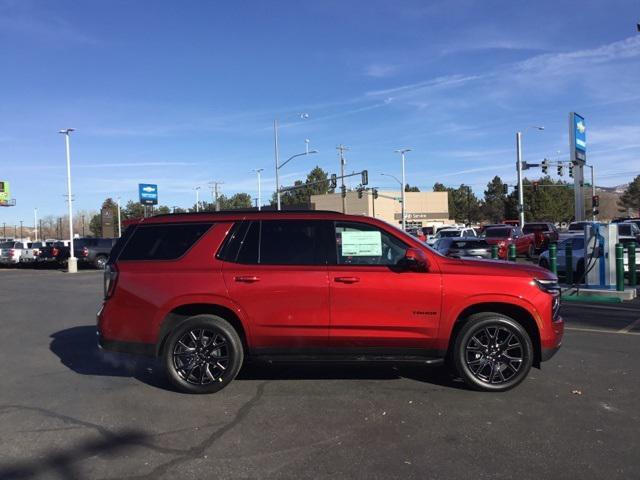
[519,170]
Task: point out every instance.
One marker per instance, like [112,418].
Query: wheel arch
[182,313]
[516,312]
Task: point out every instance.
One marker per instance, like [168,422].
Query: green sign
[5,192]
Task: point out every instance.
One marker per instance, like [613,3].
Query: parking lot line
[630,327]
[624,331]
[600,307]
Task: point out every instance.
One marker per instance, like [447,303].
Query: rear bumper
[145,349]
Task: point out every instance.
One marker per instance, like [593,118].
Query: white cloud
[381,70]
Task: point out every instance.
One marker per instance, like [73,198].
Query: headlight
[548,286]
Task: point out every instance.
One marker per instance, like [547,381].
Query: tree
[95,224]
[495,199]
[317,183]
[133,210]
[464,206]
[550,201]
[237,200]
[409,188]
[630,199]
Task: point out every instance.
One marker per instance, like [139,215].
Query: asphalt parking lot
[70,411]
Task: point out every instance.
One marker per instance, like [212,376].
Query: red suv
[205,291]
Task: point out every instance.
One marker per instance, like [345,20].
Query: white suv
[10,252]
[452,232]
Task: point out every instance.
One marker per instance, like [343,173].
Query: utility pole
[72,262]
[83,225]
[40,229]
[404,186]
[519,171]
[119,221]
[258,173]
[4,231]
[214,193]
[341,148]
[35,223]
[21,235]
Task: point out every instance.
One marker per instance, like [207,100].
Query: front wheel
[492,352]
[100,262]
[531,251]
[203,354]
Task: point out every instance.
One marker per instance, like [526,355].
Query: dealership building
[422,208]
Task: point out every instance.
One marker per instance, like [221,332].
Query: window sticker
[361,244]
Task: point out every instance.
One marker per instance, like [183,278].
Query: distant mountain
[619,189]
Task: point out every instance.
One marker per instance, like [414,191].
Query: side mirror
[416,260]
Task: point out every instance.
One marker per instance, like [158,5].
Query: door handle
[246,278]
[347,279]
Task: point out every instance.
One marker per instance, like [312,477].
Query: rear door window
[162,241]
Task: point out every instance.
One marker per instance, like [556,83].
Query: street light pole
[402,188]
[519,172]
[404,183]
[593,192]
[35,223]
[197,199]
[21,234]
[73,261]
[258,173]
[119,220]
[276,140]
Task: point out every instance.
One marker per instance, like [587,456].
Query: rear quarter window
[162,241]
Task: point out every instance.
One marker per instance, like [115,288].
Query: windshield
[579,226]
[448,233]
[6,245]
[534,227]
[497,232]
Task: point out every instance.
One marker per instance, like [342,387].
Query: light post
[197,189]
[402,151]
[119,219]
[82,226]
[593,192]
[258,173]
[73,261]
[402,192]
[35,223]
[276,140]
[21,234]
[519,172]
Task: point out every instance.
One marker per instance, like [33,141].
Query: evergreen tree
[495,199]
[630,199]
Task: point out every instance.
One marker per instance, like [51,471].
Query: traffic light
[375,193]
[595,201]
[360,190]
[571,170]
[343,191]
[365,177]
[545,166]
[334,181]
[505,188]
[535,186]
[560,169]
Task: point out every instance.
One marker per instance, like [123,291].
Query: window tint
[279,242]
[293,242]
[497,232]
[162,241]
[363,244]
[624,229]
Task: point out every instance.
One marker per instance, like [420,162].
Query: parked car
[202,291]
[628,232]
[30,254]
[577,256]
[543,234]
[93,251]
[575,227]
[56,253]
[505,236]
[471,247]
[10,252]
[452,232]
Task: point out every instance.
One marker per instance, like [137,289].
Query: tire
[544,264]
[208,369]
[531,251]
[100,262]
[479,362]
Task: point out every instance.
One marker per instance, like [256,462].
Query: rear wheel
[492,352]
[531,251]
[203,354]
[100,262]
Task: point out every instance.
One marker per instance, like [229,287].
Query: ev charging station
[600,264]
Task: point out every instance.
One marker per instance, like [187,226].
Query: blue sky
[183,93]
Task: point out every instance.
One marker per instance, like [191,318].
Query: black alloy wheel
[203,354]
[100,262]
[493,352]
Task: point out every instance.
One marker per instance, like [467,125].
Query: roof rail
[246,211]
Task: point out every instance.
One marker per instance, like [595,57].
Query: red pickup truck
[507,235]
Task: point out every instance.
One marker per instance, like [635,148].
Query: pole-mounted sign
[578,138]
[148,193]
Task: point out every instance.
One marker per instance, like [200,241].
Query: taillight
[12,252]
[55,251]
[85,252]
[109,280]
